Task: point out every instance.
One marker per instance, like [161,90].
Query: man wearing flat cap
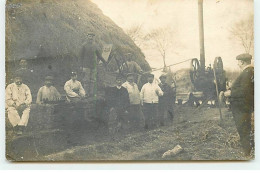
[74,89]
[166,101]
[117,101]
[242,102]
[18,100]
[149,95]
[135,112]
[130,66]
[90,55]
[47,93]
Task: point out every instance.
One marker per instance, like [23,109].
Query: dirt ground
[197,131]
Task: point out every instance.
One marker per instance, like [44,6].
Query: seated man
[74,89]
[18,99]
[47,93]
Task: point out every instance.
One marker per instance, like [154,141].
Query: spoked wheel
[220,74]
[194,69]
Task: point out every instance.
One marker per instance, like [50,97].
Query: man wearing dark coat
[118,102]
[90,55]
[242,102]
[166,101]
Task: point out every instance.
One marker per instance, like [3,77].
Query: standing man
[242,102]
[89,59]
[131,66]
[135,113]
[47,93]
[117,100]
[150,93]
[27,76]
[73,88]
[166,101]
[18,99]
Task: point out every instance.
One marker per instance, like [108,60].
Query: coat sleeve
[8,96]
[99,56]
[39,96]
[137,67]
[159,90]
[82,92]
[142,94]
[127,99]
[81,56]
[28,99]
[57,94]
[69,91]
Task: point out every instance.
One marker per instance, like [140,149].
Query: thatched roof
[55,28]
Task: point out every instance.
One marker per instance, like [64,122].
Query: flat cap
[91,33]
[244,57]
[73,73]
[48,78]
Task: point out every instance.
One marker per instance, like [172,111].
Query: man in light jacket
[150,93]
[18,99]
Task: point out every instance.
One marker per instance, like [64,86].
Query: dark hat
[162,76]
[73,73]
[91,33]
[244,57]
[150,75]
[48,78]
[119,76]
[129,74]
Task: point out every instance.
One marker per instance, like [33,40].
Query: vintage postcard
[129,80]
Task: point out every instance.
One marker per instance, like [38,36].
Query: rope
[168,66]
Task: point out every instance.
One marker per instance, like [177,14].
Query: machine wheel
[194,69]
[218,65]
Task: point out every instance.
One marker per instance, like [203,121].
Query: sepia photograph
[129,80]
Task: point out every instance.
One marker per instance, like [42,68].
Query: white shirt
[70,87]
[148,93]
[49,93]
[18,95]
[133,91]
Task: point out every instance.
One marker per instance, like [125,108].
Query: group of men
[125,99]
[154,103]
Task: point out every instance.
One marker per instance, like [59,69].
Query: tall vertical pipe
[201,34]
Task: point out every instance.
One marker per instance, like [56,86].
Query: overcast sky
[182,15]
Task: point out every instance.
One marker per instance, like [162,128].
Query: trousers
[150,111]
[15,118]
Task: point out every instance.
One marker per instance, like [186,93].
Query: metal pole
[220,113]
[201,35]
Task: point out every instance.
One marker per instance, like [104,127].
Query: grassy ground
[198,132]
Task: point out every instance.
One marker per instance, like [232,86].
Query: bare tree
[243,31]
[161,40]
[136,34]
